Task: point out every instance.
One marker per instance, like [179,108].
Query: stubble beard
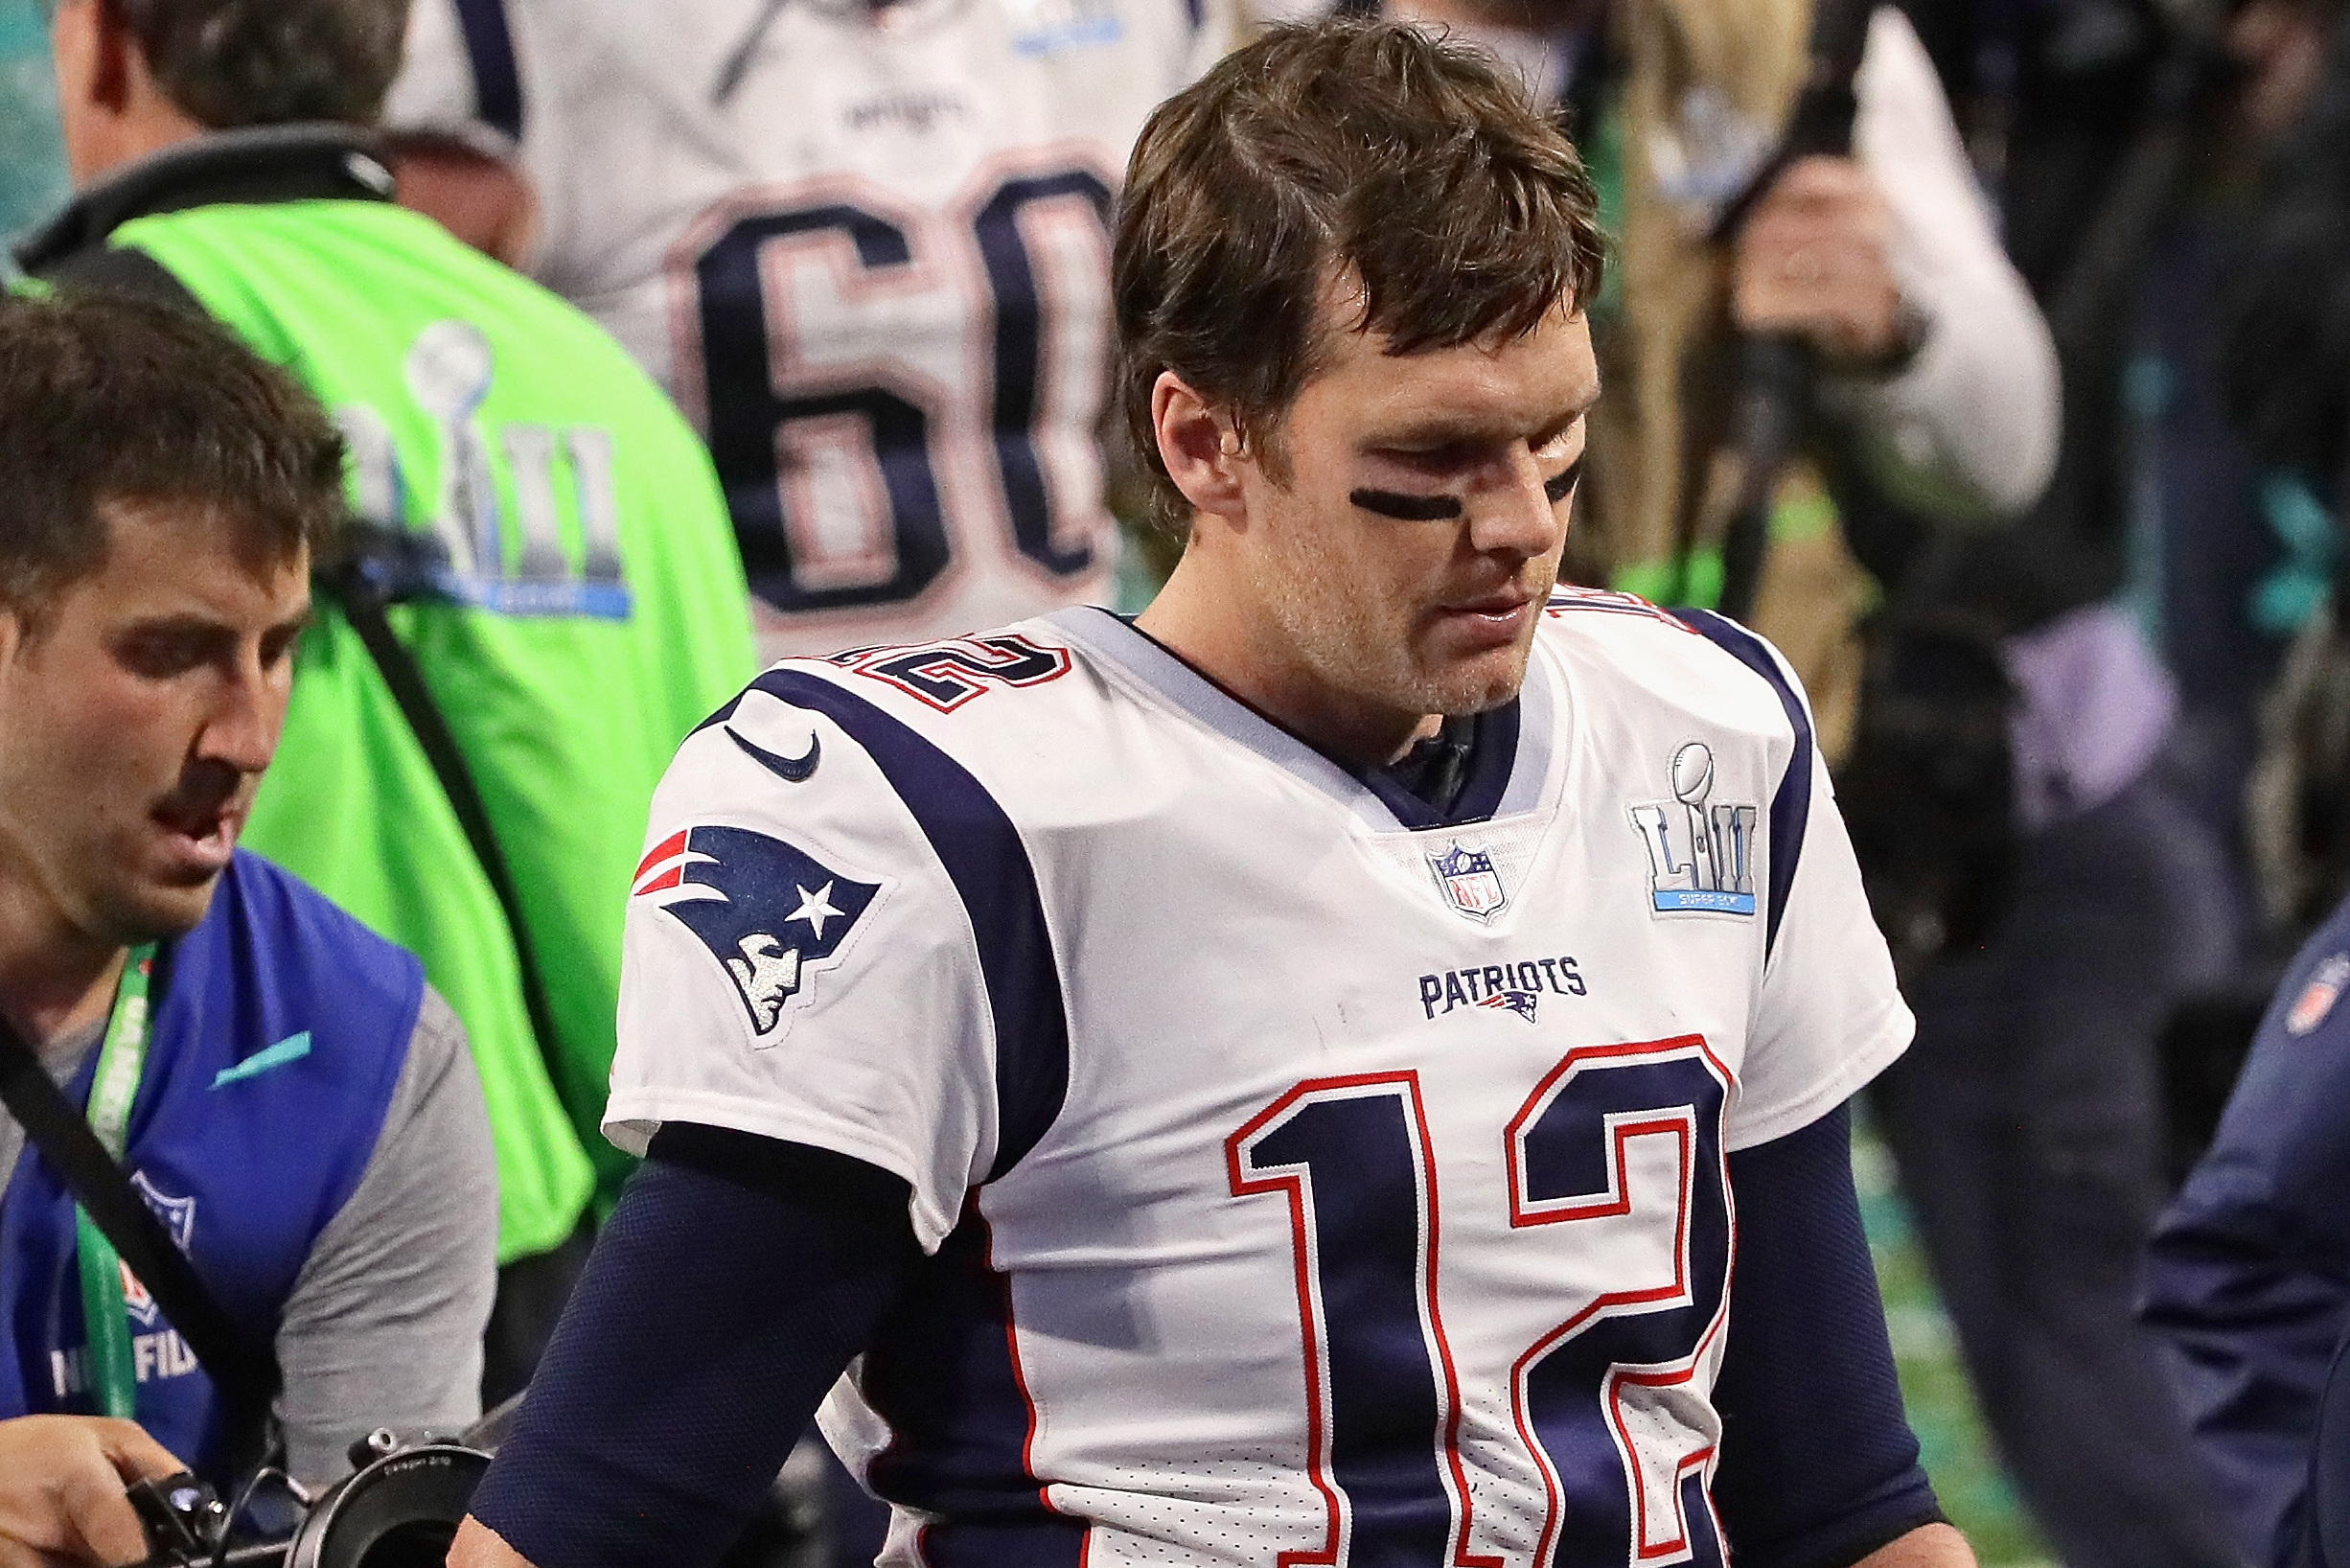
[1352,648]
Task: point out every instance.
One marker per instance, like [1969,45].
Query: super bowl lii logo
[1700,855]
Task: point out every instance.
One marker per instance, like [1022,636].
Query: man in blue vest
[281,1087]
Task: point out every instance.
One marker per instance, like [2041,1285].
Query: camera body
[399,1508]
[181,1516]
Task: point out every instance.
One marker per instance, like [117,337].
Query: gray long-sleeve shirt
[385,1325]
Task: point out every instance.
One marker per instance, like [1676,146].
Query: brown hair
[1357,150]
[270,62]
[107,399]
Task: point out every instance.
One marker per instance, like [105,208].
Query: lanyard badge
[105,1314]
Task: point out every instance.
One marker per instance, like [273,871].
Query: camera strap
[1774,375]
[247,1379]
[382,567]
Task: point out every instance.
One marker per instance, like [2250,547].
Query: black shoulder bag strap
[1774,390]
[379,567]
[247,1376]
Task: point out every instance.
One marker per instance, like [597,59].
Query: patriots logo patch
[1521,1003]
[767,913]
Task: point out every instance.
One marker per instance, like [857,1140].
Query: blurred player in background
[865,246]
[1271,1080]
[571,603]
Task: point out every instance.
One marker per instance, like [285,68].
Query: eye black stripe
[1388,503]
[1560,488]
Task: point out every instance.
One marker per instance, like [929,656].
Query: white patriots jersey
[865,249]
[1304,1183]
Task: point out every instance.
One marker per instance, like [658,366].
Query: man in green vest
[561,583]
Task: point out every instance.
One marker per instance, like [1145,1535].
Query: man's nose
[1515,515]
[249,715]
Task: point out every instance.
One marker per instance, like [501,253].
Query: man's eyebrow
[1447,430]
[176,623]
[187,624]
[1434,432]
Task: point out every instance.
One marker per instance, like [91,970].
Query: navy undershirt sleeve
[1818,1465]
[736,1279]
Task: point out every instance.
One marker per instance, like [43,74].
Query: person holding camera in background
[278,1084]
[545,598]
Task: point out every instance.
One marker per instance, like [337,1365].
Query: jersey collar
[254,164]
[1506,777]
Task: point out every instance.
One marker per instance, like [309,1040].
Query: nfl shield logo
[179,1217]
[1469,882]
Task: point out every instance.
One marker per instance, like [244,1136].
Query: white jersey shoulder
[1178,1031]
[865,247]
[1650,667]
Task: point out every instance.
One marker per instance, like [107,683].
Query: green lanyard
[105,1316]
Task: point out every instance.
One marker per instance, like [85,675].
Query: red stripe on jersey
[1292,1184]
[668,848]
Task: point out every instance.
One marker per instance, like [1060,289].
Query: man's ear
[115,60]
[97,68]
[1203,454]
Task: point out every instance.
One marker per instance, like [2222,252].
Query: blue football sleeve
[736,1279]
[1818,1465]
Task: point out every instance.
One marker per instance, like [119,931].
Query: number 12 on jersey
[1616,1141]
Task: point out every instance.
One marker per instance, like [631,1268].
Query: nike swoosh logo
[292,1048]
[791,770]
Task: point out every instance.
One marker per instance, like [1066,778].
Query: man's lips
[196,818]
[205,827]
[1502,605]
[1478,625]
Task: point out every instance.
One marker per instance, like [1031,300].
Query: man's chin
[1478,685]
[157,910]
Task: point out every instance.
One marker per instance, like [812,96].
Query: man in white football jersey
[863,242]
[1282,1080]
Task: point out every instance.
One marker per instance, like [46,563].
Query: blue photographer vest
[279,1037]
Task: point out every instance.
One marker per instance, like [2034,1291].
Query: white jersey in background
[1298,1178]
[865,247]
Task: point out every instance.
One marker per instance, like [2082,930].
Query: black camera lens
[422,1544]
[402,1511]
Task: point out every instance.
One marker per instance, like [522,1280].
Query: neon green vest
[595,613]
